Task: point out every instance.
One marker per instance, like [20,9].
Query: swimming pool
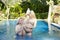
[38,33]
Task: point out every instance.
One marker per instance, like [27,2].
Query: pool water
[38,33]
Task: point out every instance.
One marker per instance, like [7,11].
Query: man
[25,25]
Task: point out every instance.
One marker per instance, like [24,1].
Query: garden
[19,8]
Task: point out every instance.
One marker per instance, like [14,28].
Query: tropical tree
[18,7]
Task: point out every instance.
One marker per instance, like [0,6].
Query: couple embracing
[26,24]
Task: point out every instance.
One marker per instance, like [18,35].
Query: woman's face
[21,20]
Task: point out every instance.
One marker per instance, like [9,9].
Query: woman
[19,27]
[25,25]
[30,23]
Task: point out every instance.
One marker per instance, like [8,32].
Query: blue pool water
[38,33]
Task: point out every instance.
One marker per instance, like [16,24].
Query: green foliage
[40,8]
[58,1]
[55,2]
[42,15]
[16,11]
[37,6]
[22,14]
[2,6]
[25,5]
